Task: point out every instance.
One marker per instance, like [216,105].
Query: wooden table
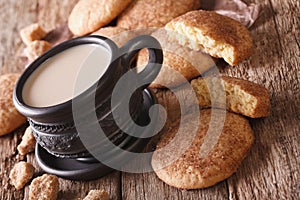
[271,170]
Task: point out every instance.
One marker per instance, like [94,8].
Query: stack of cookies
[192,40]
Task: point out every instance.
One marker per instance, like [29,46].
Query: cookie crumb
[21,173]
[44,187]
[27,144]
[10,118]
[97,195]
[37,48]
[32,32]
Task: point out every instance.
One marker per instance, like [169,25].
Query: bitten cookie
[89,15]
[149,13]
[215,34]
[193,170]
[10,118]
[242,96]
[180,64]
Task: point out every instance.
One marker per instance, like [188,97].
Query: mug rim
[56,110]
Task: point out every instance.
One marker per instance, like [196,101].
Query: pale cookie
[10,118]
[193,168]
[176,102]
[242,96]
[97,195]
[32,32]
[37,48]
[109,31]
[121,35]
[21,174]
[117,34]
[45,187]
[89,15]
[27,144]
[149,13]
[180,64]
[215,34]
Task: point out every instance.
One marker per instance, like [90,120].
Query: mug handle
[132,47]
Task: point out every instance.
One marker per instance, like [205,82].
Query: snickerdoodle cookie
[215,34]
[89,15]
[180,64]
[149,13]
[193,168]
[240,96]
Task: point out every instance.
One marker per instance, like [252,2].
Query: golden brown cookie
[10,118]
[119,35]
[242,96]
[192,169]
[89,15]
[176,101]
[109,31]
[215,34]
[180,64]
[149,13]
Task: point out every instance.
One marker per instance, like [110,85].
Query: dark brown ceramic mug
[53,126]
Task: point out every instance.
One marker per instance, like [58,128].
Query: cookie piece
[10,118]
[242,96]
[215,34]
[176,101]
[37,48]
[180,64]
[31,33]
[109,31]
[27,144]
[119,35]
[97,195]
[45,187]
[149,13]
[59,34]
[89,15]
[21,173]
[192,169]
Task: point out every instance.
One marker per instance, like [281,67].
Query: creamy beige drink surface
[55,80]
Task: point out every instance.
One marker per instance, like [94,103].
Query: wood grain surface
[270,171]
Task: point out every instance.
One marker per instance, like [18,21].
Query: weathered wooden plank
[70,190]
[271,171]
[8,152]
[148,186]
